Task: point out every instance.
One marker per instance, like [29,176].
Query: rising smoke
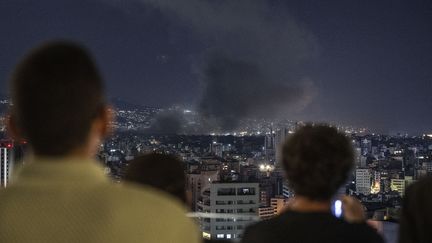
[254,65]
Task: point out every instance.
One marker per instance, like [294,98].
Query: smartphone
[337,208]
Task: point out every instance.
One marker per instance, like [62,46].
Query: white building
[236,202]
[217,149]
[363,181]
[6,162]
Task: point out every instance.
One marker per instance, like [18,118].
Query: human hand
[353,210]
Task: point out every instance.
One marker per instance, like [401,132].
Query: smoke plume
[255,61]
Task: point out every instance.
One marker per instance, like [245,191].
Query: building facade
[6,162]
[363,181]
[237,204]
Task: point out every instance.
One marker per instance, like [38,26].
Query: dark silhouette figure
[317,161]
[61,194]
[161,171]
[416,217]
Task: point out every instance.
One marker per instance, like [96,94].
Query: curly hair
[317,160]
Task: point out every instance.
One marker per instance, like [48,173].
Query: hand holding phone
[353,210]
[337,208]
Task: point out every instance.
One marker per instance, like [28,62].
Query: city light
[266,167]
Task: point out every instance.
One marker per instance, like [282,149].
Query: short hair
[161,171]
[56,92]
[317,161]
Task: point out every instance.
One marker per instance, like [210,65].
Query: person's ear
[12,127]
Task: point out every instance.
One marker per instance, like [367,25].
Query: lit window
[220,236]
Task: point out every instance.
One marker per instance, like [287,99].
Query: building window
[246,191]
[226,191]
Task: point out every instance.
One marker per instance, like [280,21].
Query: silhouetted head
[317,161]
[164,172]
[58,99]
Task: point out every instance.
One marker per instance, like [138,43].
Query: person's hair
[317,161]
[164,172]
[57,93]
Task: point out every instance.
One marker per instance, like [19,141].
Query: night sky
[362,63]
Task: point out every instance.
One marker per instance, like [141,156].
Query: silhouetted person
[164,172]
[61,194]
[317,161]
[416,216]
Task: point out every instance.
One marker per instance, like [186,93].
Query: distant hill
[118,103]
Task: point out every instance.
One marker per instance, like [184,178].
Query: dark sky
[365,63]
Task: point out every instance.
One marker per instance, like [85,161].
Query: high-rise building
[363,181]
[376,183]
[269,146]
[236,202]
[366,146]
[398,185]
[6,162]
[280,138]
[217,149]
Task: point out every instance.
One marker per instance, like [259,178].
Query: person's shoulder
[138,207]
[266,230]
[256,233]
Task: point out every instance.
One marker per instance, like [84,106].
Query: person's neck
[304,204]
[79,154]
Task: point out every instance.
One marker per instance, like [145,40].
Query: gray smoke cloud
[238,89]
[167,122]
[255,61]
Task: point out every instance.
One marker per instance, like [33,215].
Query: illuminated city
[385,166]
[220,86]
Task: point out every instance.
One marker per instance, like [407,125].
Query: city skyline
[362,64]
